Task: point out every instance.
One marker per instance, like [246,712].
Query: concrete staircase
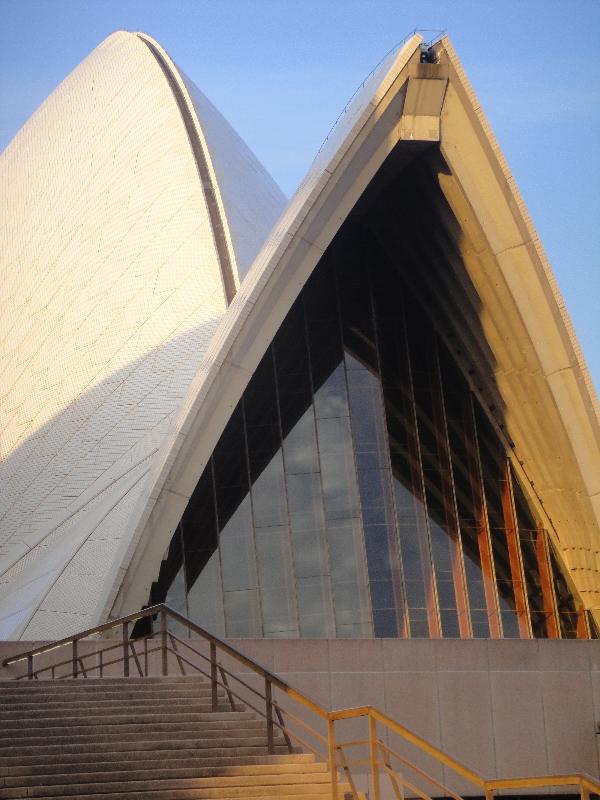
[144,739]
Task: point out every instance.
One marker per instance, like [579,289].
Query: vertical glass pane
[340,497]
[374,475]
[199,528]
[443,528]
[408,493]
[493,465]
[205,598]
[276,581]
[468,490]
[242,613]
[176,599]
[236,544]
[538,583]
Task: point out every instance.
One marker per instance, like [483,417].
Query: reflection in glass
[359,488]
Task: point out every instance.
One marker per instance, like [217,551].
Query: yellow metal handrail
[586,784]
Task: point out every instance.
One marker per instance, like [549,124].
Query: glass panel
[177,600]
[358,488]
[492,465]
[242,614]
[205,598]
[199,528]
[238,566]
[443,528]
[408,493]
[470,506]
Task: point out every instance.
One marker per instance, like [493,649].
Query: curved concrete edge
[206,173]
[37,557]
[582,366]
[355,150]
[40,569]
[515,245]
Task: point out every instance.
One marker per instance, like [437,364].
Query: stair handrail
[378,751]
[164,611]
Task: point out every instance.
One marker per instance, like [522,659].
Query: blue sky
[281,71]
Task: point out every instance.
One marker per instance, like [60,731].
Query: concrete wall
[504,708]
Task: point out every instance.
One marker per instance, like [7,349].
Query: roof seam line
[200,158]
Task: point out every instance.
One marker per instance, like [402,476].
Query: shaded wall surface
[504,708]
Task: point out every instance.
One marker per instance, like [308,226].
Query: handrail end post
[30,666]
[584,789]
[332,748]
[163,641]
[373,756]
[213,676]
[269,709]
[125,649]
[74,657]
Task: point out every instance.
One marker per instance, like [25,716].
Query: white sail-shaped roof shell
[88,534]
[527,370]
[117,232]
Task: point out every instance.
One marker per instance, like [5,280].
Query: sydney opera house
[358,415]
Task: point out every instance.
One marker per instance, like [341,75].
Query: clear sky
[281,71]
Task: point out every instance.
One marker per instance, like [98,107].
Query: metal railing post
[163,642]
[74,657]
[30,667]
[332,753]
[213,675]
[374,758]
[269,704]
[584,790]
[125,649]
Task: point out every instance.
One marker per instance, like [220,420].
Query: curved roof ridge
[444,41]
[201,154]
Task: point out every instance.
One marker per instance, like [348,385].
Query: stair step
[202,716]
[227,738]
[147,716]
[200,738]
[56,727]
[221,786]
[6,702]
[209,746]
[144,739]
[30,700]
[205,744]
[180,759]
[293,793]
[81,682]
[158,772]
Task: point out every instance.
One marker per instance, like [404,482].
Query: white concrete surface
[111,291]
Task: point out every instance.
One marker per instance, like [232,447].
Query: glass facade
[359,489]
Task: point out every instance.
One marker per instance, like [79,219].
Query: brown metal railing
[380,760]
[189,658]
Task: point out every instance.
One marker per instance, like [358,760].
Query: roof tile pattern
[111,292]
